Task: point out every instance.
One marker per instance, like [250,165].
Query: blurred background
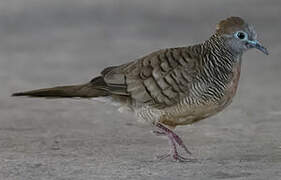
[48,43]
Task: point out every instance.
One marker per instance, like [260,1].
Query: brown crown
[229,25]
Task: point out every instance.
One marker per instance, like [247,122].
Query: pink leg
[174,140]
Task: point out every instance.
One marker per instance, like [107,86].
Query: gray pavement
[47,43]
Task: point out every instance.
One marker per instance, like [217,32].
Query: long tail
[94,88]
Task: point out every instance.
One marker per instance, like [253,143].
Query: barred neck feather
[217,44]
[219,55]
[218,63]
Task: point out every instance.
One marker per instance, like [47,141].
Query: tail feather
[85,91]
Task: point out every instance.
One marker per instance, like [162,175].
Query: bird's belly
[191,113]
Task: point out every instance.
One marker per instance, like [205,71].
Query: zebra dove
[175,86]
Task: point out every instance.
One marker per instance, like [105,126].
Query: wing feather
[159,79]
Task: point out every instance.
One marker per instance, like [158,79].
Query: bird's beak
[257,45]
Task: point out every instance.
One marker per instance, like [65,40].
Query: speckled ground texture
[47,43]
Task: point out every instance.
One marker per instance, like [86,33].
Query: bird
[173,86]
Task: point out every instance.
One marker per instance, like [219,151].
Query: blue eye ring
[241,35]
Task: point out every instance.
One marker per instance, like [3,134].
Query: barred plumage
[174,86]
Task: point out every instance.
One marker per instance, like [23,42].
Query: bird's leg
[173,152]
[174,140]
[172,136]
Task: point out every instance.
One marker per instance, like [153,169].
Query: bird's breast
[185,113]
[233,84]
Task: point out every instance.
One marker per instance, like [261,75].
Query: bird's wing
[159,79]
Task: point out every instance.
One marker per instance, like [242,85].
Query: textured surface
[49,43]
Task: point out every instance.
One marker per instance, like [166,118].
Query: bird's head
[239,35]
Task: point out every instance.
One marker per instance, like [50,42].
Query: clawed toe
[175,157]
[163,156]
[180,158]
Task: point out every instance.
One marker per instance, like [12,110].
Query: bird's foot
[174,140]
[179,141]
[175,156]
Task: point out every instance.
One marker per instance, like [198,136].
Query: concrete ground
[47,43]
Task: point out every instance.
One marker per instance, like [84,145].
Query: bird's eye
[241,35]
